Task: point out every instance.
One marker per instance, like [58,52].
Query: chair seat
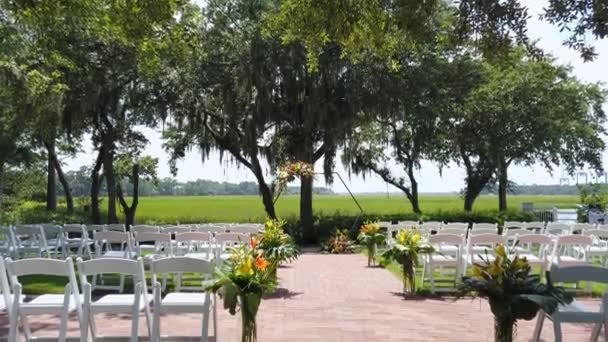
[3,304]
[597,250]
[119,254]
[448,249]
[184,302]
[566,260]
[576,312]
[47,303]
[118,303]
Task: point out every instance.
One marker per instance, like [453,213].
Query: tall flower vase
[409,276]
[503,329]
[371,254]
[249,304]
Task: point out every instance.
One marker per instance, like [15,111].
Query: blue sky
[452,178]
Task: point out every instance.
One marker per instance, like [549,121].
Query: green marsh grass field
[249,208]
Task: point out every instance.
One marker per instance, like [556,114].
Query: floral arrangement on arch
[289,171]
[513,293]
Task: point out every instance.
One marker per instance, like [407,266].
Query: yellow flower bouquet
[371,236]
[276,245]
[243,279]
[405,250]
[513,293]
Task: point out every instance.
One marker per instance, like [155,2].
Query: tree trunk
[502,185]
[67,190]
[306,217]
[130,210]
[474,187]
[95,185]
[267,200]
[413,195]
[51,183]
[108,170]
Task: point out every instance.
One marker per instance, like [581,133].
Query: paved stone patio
[337,298]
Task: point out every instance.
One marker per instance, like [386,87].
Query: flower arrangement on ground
[370,236]
[243,279]
[513,293]
[276,245]
[405,250]
[339,243]
[289,171]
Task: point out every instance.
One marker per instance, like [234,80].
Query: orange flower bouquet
[243,279]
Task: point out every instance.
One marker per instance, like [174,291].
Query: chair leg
[135,326]
[557,331]
[205,332]
[215,334]
[595,333]
[540,319]
[432,269]
[14,324]
[63,327]
[122,283]
[26,328]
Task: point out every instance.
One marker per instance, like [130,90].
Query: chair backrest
[145,229]
[176,229]
[31,230]
[598,233]
[486,239]
[210,228]
[602,226]
[385,224]
[515,231]
[116,227]
[534,239]
[111,237]
[578,240]
[74,228]
[248,229]
[578,228]
[513,224]
[134,268]
[555,228]
[534,225]
[181,265]
[574,274]
[486,226]
[543,242]
[95,227]
[52,231]
[479,231]
[231,238]
[456,225]
[432,225]
[193,236]
[34,234]
[162,242]
[452,231]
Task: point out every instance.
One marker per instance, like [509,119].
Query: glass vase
[246,321]
[409,276]
[371,254]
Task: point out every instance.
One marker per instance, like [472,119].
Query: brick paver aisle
[337,298]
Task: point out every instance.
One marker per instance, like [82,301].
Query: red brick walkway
[337,298]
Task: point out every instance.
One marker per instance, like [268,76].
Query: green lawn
[249,208]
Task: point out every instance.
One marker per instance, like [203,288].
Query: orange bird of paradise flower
[261,263]
[253,242]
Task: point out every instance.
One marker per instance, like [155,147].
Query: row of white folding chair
[72,301]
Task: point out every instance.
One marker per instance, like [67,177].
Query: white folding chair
[480,246]
[92,228]
[452,250]
[443,260]
[432,226]
[479,231]
[103,242]
[210,228]
[76,237]
[30,240]
[195,244]
[54,239]
[555,228]
[408,224]
[132,304]
[6,300]
[115,227]
[161,247]
[599,247]
[602,226]
[571,250]
[535,248]
[55,304]
[242,228]
[202,302]
[576,312]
